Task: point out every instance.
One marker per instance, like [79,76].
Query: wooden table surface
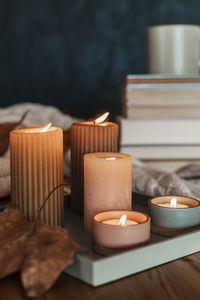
[179,279]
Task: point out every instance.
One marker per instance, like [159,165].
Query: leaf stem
[49,195]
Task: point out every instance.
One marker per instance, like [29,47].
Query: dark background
[74,53]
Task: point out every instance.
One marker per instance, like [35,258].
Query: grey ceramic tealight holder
[174,218]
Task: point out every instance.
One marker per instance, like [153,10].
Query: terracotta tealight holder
[108,239]
[170,218]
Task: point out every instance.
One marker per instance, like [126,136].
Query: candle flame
[46,128]
[122,220]
[101,119]
[173,202]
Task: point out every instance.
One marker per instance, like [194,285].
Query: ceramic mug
[173,49]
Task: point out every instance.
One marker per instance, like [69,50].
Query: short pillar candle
[88,137]
[107,184]
[36,156]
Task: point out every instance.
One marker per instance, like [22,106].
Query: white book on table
[163,152]
[159,132]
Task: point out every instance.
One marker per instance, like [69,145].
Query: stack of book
[161,117]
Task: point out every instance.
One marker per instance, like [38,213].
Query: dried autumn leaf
[40,251]
[47,252]
[5,129]
[14,231]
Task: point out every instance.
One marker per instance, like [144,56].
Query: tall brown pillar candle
[36,156]
[88,137]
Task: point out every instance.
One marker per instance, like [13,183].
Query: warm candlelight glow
[102,118]
[46,128]
[122,220]
[173,202]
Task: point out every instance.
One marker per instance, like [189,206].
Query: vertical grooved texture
[36,168]
[87,137]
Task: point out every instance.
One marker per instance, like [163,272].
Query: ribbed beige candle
[36,168]
[107,184]
[88,137]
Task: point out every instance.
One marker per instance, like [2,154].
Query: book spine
[162,112]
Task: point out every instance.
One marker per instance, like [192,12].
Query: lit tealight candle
[123,221]
[173,204]
[174,212]
[111,230]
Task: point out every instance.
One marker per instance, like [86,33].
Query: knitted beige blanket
[38,115]
[153,182]
[146,180]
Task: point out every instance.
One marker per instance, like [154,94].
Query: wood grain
[176,280]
